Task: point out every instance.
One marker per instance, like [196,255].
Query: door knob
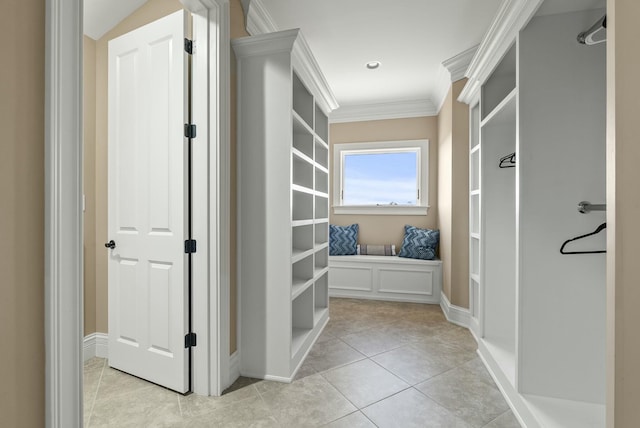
[111,244]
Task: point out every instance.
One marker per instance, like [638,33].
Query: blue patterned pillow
[343,240]
[419,243]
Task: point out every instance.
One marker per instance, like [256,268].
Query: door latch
[111,244]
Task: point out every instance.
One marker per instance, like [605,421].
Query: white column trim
[211,201]
[63,214]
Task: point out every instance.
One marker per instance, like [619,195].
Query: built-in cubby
[322,125]
[283,203]
[475,259]
[302,137]
[301,273]
[322,233]
[321,260]
[322,207]
[474,221]
[302,319]
[501,82]
[474,126]
[303,103]
[302,205]
[322,154]
[498,134]
[301,239]
[322,181]
[303,172]
[321,295]
[530,305]
[474,173]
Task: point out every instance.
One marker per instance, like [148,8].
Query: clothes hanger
[508,161]
[598,230]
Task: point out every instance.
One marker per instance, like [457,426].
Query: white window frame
[419,146]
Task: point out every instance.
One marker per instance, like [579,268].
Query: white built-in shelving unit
[283,184]
[538,315]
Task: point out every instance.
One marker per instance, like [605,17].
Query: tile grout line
[344,396]
[436,402]
[95,394]
[498,417]
[359,409]
[180,406]
[267,405]
[390,372]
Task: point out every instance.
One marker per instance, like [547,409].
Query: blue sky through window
[380,178]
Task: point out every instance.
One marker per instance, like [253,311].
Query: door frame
[64,329]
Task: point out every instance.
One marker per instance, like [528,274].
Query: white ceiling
[101,16]
[411,38]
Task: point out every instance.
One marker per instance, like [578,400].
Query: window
[388,177]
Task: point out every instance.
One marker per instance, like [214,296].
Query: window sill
[381,210]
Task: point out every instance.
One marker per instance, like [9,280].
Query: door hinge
[189,130]
[188,46]
[190,340]
[190,246]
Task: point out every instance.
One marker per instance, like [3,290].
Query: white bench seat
[385,278]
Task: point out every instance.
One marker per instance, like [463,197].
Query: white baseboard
[96,345]
[455,314]
[234,368]
[388,297]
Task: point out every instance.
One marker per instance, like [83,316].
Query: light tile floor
[381,364]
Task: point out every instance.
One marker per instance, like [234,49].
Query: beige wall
[237,29]
[384,229]
[22,213]
[89,178]
[460,201]
[453,195]
[623,205]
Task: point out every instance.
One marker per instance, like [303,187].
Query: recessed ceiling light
[372,65]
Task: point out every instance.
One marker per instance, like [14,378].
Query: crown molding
[259,21]
[381,111]
[310,73]
[459,64]
[452,70]
[443,85]
[265,44]
[512,16]
[302,60]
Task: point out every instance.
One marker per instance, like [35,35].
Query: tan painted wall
[453,196]
[89,178]
[460,201]
[22,213]
[623,205]
[383,229]
[237,29]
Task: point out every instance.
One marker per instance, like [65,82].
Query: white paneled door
[148,208]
